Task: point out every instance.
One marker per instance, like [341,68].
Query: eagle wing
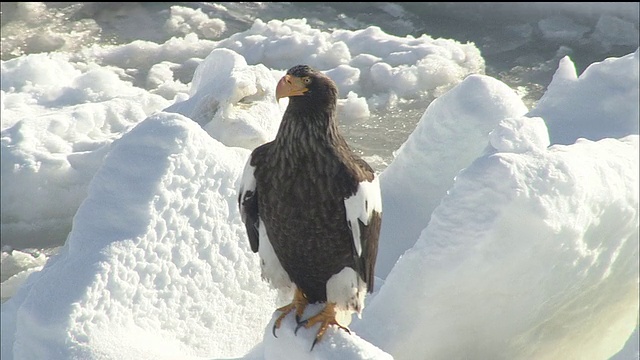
[248,204]
[272,270]
[364,217]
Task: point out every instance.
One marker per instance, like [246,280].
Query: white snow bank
[58,121]
[369,61]
[234,102]
[529,255]
[336,343]
[452,132]
[601,103]
[156,265]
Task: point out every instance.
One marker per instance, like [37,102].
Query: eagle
[312,208]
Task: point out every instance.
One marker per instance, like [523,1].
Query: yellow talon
[299,303]
[325,317]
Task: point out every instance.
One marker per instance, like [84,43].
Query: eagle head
[302,83]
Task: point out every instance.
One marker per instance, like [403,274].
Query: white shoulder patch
[360,206]
[347,290]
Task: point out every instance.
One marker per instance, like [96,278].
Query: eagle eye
[306,80]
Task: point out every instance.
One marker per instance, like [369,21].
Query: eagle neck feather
[308,131]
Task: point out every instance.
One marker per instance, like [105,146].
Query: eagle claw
[325,318]
[315,341]
[298,304]
[300,324]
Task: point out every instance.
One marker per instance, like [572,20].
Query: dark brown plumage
[296,187]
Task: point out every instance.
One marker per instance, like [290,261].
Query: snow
[451,133]
[570,118]
[507,232]
[234,102]
[530,237]
[336,344]
[367,61]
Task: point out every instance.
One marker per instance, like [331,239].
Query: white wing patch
[360,206]
[272,270]
[247,184]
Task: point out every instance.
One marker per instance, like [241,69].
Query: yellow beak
[290,86]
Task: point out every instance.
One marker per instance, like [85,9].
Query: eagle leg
[326,317]
[298,303]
